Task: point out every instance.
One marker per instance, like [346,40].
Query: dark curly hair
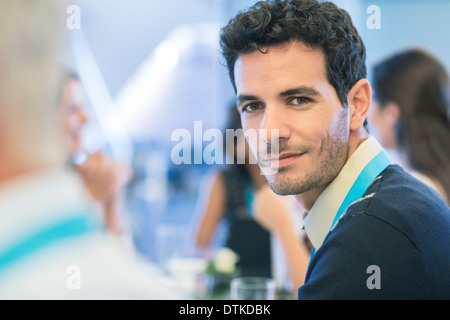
[318,25]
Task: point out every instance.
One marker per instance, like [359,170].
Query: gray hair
[30,39]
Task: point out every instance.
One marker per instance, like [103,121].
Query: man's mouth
[282,160]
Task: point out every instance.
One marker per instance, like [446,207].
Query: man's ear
[359,99]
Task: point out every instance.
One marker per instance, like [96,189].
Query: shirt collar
[319,219]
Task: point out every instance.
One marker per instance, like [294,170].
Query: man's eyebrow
[294,91]
[300,90]
[245,97]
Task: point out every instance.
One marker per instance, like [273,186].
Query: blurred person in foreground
[51,244]
[104,177]
[410,115]
[378,233]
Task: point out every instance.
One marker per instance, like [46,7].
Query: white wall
[404,24]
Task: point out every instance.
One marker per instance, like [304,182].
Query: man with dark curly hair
[299,67]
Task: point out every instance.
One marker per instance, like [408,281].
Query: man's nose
[274,125]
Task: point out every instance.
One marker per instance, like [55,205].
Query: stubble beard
[330,159]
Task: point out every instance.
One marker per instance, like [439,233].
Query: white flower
[225,261]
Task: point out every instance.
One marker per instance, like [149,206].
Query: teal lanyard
[372,170]
[63,229]
[249,198]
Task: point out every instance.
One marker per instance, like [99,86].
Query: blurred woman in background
[410,115]
[103,176]
[228,196]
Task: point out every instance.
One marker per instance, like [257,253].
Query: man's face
[287,89]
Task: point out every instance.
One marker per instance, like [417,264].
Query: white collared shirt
[319,219]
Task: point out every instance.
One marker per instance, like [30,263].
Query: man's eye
[300,100]
[251,107]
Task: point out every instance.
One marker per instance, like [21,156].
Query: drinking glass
[252,288]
